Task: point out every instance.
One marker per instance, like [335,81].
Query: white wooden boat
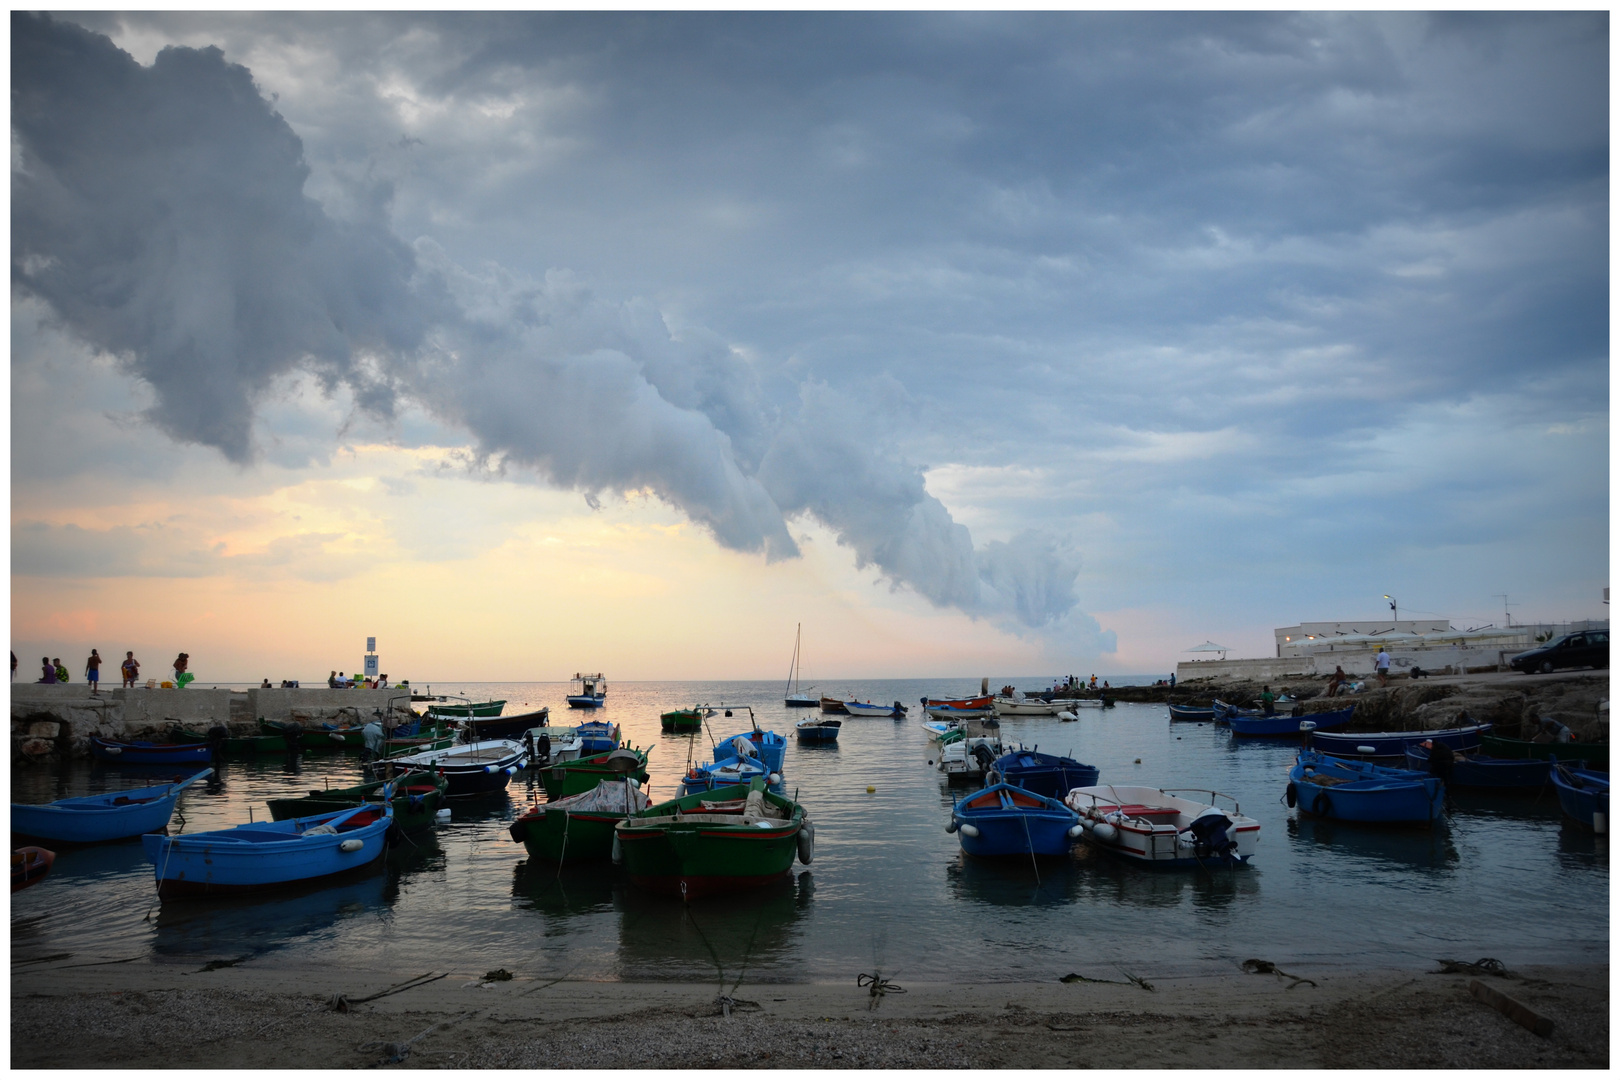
[1175,828]
[1025,707]
[969,755]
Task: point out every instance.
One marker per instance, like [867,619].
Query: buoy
[351,845]
[1366,749]
[442,815]
[807,843]
[969,830]
[618,856]
[775,778]
[1139,761]
[870,789]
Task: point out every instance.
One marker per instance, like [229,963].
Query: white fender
[774,778]
[1067,715]
[442,815]
[807,843]
[1104,832]
[618,850]
[969,829]
[953,826]
[1076,831]
[351,844]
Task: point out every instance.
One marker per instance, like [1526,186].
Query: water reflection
[748,931]
[1013,882]
[1110,879]
[1504,805]
[569,889]
[253,924]
[1412,847]
[1580,847]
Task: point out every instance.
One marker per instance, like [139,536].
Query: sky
[975,344]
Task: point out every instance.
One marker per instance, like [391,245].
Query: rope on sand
[1486,965]
[341,1002]
[1266,967]
[877,986]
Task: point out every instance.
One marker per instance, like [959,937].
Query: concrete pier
[55,720]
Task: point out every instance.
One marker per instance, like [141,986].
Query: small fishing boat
[475,728]
[1005,820]
[968,751]
[230,745]
[29,865]
[1393,744]
[1193,713]
[1583,795]
[683,720]
[1006,706]
[793,696]
[263,855]
[723,841]
[580,827]
[1474,770]
[1045,774]
[1168,828]
[324,736]
[864,708]
[768,746]
[445,709]
[953,713]
[584,740]
[472,768]
[814,729]
[564,778]
[975,704]
[93,819]
[591,693]
[150,753]
[1279,726]
[1595,755]
[938,729]
[1360,791]
[417,798]
[708,776]
[832,705]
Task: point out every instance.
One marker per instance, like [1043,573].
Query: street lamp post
[1392,606]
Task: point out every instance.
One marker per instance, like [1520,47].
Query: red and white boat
[1176,828]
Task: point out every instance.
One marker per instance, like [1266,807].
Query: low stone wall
[1361,663]
[53,721]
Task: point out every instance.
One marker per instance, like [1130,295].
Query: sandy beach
[139,1015]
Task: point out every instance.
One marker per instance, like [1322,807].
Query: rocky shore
[1514,703]
[233,1017]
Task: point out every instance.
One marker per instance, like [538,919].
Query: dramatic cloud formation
[161,212]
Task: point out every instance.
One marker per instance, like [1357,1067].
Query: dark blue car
[1585,648]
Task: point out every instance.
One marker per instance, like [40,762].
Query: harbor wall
[1361,663]
[56,720]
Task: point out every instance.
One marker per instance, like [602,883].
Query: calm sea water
[889,888]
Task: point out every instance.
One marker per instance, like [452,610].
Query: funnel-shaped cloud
[161,212]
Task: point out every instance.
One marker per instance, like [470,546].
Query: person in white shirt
[1383,666]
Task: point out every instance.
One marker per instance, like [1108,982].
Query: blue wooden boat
[592,692]
[1472,770]
[1394,744]
[92,819]
[150,753]
[727,773]
[1005,820]
[1050,775]
[1259,726]
[266,854]
[1582,794]
[768,746]
[597,737]
[1192,712]
[814,729]
[1361,791]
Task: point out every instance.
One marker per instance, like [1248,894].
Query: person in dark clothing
[1441,760]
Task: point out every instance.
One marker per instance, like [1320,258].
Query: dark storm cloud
[162,213]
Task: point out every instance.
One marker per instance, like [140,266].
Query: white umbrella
[1210,646]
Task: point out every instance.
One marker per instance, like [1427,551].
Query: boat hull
[94,826]
[1005,821]
[1275,727]
[1366,794]
[451,711]
[833,705]
[571,837]
[1582,794]
[476,729]
[805,702]
[562,779]
[418,798]
[1394,744]
[471,768]
[688,852]
[1596,755]
[586,701]
[253,858]
[1479,771]
[29,865]
[1045,774]
[679,720]
[818,731]
[1192,713]
[860,708]
[1144,825]
[150,753]
[1004,707]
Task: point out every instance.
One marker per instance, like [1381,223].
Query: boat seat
[1138,810]
[126,801]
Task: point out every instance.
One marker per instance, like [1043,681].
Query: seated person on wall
[1336,680]
[48,669]
[332,681]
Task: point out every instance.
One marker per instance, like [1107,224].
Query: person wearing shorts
[92,672]
[131,668]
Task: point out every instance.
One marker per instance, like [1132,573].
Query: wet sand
[140,1015]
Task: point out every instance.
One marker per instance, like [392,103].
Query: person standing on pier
[131,668]
[181,662]
[92,672]
[1382,664]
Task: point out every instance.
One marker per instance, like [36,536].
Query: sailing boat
[796,698]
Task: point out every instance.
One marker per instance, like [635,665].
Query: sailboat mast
[793,668]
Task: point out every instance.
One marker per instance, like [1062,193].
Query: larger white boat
[1178,827]
[970,754]
[1022,706]
[589,693]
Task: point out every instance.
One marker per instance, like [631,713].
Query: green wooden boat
[1596,755]
[580,827]
[449,710]
[417,798]
[564,778]
[681,720]
[234,745]
[319,738]
[720,841]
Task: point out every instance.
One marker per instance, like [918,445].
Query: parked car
[1587,648]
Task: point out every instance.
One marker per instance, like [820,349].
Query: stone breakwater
[1514,703]
[52,723]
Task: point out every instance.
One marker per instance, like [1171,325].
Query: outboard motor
[216,741]
[1210,835]
[294,734]
[984,756]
